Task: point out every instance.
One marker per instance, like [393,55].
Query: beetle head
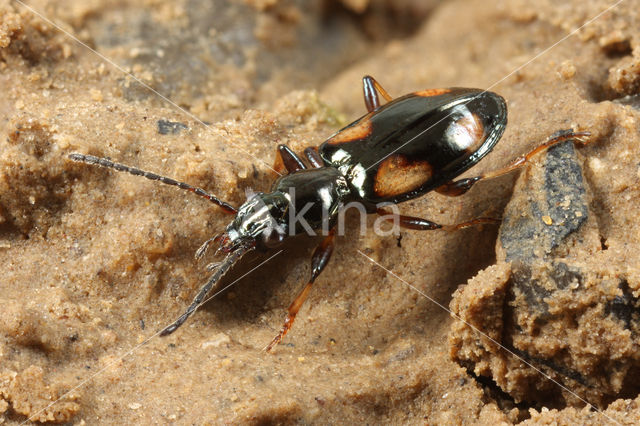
[261,220]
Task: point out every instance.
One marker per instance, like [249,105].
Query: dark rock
[551,307]
[166,127]
[554,210]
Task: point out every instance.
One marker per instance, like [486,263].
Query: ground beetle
[398,151]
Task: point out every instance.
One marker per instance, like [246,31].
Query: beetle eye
[272,237]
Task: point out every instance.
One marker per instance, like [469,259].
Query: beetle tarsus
[473,222]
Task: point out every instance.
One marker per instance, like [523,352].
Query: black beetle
[398,151]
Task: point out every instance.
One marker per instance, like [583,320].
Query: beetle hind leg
[459,187]
[420,224]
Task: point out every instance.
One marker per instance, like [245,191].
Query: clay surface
[94,263]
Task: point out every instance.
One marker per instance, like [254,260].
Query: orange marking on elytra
[396,175]
[432,92]
[360,130]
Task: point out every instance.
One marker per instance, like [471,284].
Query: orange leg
[419,224]
[371,88]
[459,187]
[319,260]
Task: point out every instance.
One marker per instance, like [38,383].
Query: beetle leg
[461,186]
[371,88]
[419,224]
[313,157]
[457,187]
[319,260]
[287,160]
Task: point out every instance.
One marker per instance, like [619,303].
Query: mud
[95,262]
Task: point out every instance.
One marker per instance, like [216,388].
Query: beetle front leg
[371,88]
[287,160]
[420,224]
[459,187]
[319,260]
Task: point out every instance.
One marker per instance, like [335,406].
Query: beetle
[398,151]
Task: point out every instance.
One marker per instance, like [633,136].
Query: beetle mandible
[396,152]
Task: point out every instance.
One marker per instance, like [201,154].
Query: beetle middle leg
[420,224]
[287,160]
[459,187]
[371,88]
[313,157]
[319,260]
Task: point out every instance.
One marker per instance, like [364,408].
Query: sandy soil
[95,262]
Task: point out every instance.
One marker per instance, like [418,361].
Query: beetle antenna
[104,162]
[223,268]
